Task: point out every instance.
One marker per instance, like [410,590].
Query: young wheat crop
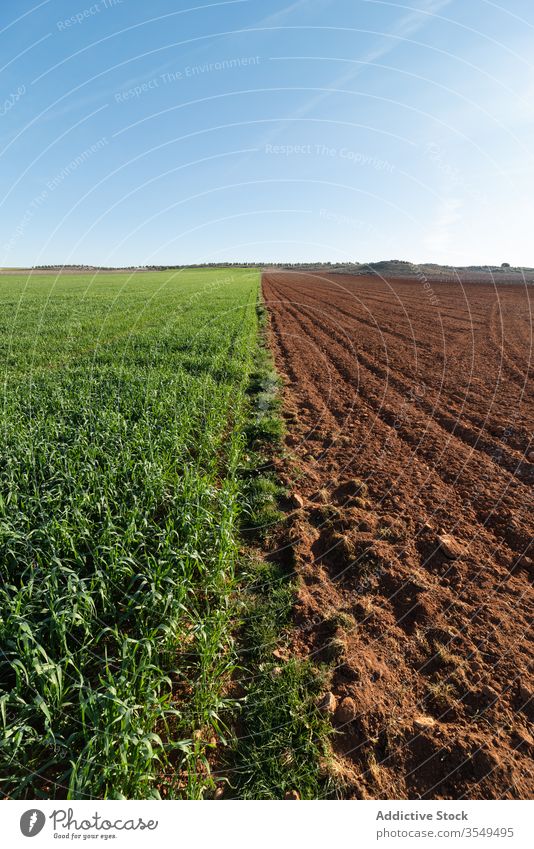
[122,421]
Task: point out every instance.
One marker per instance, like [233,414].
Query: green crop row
[123,419]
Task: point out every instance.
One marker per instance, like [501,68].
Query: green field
[123,418]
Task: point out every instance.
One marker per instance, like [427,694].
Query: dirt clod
[292,795]
[347,711]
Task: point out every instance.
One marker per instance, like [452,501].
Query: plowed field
[410,418]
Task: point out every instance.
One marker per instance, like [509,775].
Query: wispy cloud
[405,27]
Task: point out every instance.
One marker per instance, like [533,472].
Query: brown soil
[410,415]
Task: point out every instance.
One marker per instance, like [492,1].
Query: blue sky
[135,133]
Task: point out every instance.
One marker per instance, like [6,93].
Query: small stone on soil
[450,547]
[423,723]
[295,501]
[328,703]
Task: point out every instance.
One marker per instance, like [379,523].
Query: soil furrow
[433,647]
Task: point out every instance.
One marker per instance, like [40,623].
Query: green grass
[281,746]
[283,742]
[124,418]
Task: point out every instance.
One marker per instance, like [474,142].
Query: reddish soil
[410,415]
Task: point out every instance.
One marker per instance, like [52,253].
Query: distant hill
[398,269]
[392,268]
